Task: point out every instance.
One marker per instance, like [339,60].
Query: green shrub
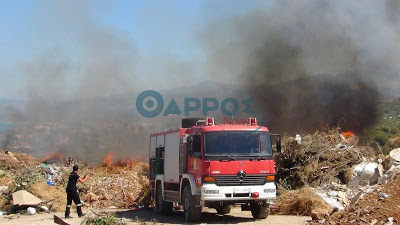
[386,129]
[381,137]
[394,130]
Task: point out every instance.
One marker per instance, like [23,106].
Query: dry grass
[299,202]
[46,192]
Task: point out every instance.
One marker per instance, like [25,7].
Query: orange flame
[108,159]
[348,134]
[55,155]
[124,161]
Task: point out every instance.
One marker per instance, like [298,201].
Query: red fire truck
[204,164]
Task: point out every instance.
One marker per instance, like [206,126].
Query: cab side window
[196,146]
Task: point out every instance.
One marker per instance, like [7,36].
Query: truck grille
[231,180]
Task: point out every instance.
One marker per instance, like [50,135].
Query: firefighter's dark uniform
[72,194]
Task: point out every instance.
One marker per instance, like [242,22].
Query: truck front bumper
[212,192]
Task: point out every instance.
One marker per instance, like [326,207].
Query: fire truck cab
[204,164]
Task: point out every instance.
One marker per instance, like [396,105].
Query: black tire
[191,208]
[190,122]
[225,209]
[162,207]
[259,210]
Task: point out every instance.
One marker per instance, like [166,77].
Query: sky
[159,39]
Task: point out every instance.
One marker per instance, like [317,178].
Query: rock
[112,207]
[31,211]
[318,214]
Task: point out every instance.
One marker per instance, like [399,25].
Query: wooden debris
[60,221]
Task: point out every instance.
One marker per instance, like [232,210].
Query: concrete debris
[31,211]
[330,200]
[23,197]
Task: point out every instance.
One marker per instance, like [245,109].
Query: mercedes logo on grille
[241,175]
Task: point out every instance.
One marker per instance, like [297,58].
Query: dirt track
[146,216]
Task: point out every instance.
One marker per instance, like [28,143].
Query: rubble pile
[11,161]
[354,185]
[375,206]
[115,186]
[318,159]
[120,186]
[314,172]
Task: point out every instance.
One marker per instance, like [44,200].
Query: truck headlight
[211,192]
[269,190]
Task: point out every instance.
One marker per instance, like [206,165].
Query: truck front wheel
[162,207]
[191,205]
[259,210]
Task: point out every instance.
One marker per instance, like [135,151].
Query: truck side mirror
[278,145]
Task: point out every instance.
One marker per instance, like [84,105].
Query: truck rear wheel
[162,207]
[225,209]
[259,210]
[191,205]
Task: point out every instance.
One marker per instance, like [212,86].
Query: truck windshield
[237,143]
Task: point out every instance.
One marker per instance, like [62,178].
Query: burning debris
[108,159]
[53,158]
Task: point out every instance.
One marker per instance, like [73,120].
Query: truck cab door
[194,162]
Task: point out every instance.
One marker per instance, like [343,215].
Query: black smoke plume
[311,64]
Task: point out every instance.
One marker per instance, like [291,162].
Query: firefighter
[72,192]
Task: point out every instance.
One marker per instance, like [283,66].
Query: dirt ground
[148,216]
